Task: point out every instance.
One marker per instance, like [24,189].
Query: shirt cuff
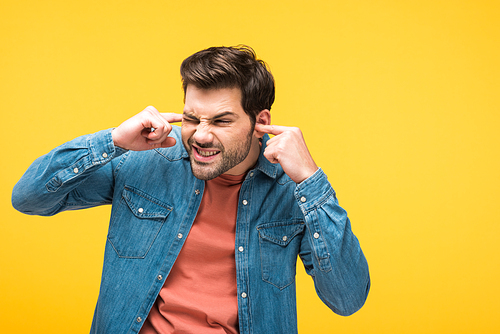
[313,191]
[102,147]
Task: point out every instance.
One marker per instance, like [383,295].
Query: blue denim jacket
[155,198]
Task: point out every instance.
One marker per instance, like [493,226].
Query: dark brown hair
[230,67]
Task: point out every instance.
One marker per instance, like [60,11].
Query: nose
[203,133]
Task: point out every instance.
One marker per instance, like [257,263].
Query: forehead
[201,101]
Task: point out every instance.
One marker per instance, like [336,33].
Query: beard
[228,158]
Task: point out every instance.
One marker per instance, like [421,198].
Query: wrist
[307,174]
[116,138]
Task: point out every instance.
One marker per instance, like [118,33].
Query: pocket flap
[143,205]
[280,233]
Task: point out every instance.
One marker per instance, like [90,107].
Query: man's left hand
[289,149]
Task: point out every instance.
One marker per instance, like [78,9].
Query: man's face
[217,133]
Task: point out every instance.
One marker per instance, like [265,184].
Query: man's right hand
[136,133]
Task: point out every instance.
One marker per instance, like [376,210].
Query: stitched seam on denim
[126,204]
[287,178]
[144,195]
[262,270]
[121,163]
[80,164]
[317,204]
[299,229]
[281,288]
[319,247]
[182,156]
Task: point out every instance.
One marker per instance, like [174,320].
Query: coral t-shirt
[199,295]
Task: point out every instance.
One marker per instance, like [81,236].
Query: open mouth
[204,154]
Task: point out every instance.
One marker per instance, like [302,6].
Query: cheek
[186,133]
[187,129]
[233,139]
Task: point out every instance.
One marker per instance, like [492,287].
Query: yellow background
[398,100]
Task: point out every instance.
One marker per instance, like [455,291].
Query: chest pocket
[136,222]
[279,246]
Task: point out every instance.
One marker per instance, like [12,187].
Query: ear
[264,118]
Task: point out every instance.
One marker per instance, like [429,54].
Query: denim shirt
[155,198]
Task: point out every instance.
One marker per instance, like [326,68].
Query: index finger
[271,129]
[172,117]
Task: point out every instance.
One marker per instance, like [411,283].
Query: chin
[204,172]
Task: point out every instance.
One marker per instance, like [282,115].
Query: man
[207,220]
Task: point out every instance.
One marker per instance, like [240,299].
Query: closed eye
[222,121]
[190,119]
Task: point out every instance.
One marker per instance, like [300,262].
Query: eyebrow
[224,114]
[190,114]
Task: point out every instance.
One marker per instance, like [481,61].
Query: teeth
[207,153]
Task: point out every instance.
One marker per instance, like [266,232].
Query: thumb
[169,142]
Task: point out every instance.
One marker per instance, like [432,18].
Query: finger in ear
[264,118]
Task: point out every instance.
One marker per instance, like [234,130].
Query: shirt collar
[264,165]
